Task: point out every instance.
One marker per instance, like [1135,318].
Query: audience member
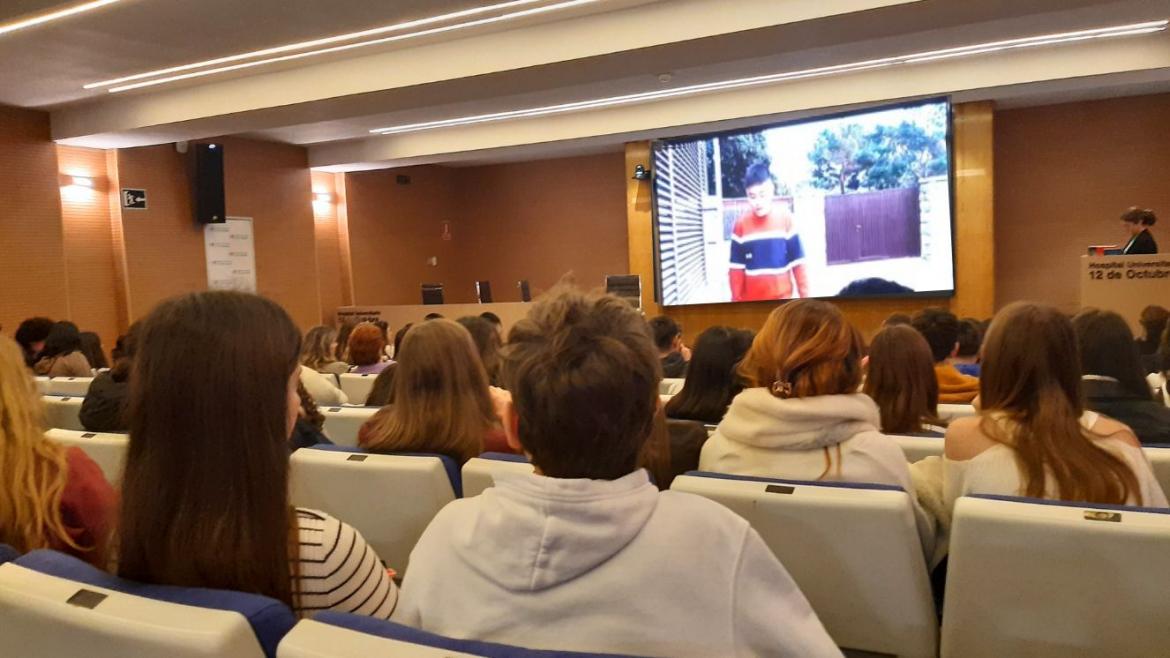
[61,355]
[671,351]
[441,399]
[970,339]
[940,328]
[398,338]
[365,349]
[1112,376]
[50,496]
[432,316]
[1033,437]
[387,346]
[323,388]
[343,333]
[320,351]
[382,392]
[873,287]
[496,322]
[308,430]
[487,343]
[900,379]
[712,380]
[895,319]
[104,407]
[91,349]
[31,335]
[585,554]
[205,494]
[1153,320]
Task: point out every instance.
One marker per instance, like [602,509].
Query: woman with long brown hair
[1033,436]
[900,379]
[442,403]
[205,502]
[319,351]
[50,496]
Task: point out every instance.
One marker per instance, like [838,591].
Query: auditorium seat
[918,448]
[342,423]
[340,635]
[670,386]
[42,385]
[54,605]
[62,412]
[479,472]
[950,412]
[852,548]
[389,499]
[77,386]
[1159,456]
[357,387]
[1045,579]
[8,553]
[108,451]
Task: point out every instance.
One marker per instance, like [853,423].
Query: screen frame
[869,109]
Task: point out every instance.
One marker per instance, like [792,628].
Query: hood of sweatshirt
[758,418]
[531,532]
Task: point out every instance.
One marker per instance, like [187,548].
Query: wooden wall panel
[328,245]
[974,255]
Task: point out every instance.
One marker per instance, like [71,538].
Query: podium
[1125,284]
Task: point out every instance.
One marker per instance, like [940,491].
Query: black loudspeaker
[207,184]
[432,293]
[483,292]
[525,291]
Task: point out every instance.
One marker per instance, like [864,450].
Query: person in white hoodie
[586,554]
[803,417]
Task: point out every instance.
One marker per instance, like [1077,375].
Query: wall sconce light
[81,181]
[641,173]
[322,197]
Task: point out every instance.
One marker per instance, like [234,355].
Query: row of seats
[77,386]
[53,605]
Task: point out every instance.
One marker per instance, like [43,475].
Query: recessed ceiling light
[47,17]
[200,69]
[914,58]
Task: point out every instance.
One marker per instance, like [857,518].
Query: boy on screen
[766,254]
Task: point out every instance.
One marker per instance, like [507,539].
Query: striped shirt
[337,570]
[766,255]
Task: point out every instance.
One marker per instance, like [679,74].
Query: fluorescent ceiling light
[39,19]
[199,69]
[613,101]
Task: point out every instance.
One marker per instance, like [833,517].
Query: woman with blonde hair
[1033,436]
[442,403]
[50,496]
[319,351]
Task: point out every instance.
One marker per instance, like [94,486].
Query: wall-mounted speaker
[525,291]
[207,184]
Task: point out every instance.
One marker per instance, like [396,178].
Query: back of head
[806,348]
[365,344]
[970,338]
[664,330]
[1031,375]
[125,351]
[895,319]
[343,333]
[399,336]
[1154,319]
[901,380]
[441,399]
[32,470]
[584,375]
[318,350]
[1108,350]
[487,343]
[63,338]
[492,318]
[712,377]
[382,392]
[205,488]
[940,328]
[1139,216]
[91,347]
[32,330]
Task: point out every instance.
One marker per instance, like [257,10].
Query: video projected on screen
[849,206]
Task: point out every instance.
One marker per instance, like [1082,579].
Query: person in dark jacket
[668,339]
[1137,222]
[1112,376]
[104,407]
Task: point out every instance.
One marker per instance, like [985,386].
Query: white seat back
[312,639]
[389,499]
[480,473]
[357,387]
[918,448]
[62,412]
[42,385]
[342,423]
[1160,460]
[108,451]
[950,412]
[854,552]
[1046,581]
[670,386]
[70,385]
[44,616]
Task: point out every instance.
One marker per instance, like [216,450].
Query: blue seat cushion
[504,457]
[8,553]
[449,464]
[394,631]
[1069,503]
[270,619]
[801,483]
